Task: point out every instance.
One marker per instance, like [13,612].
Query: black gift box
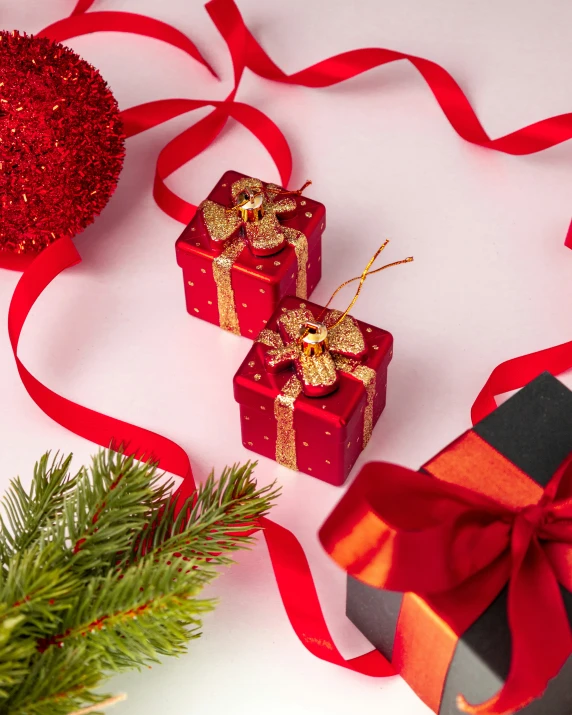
[533,429]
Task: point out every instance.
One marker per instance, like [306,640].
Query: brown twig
[105,704]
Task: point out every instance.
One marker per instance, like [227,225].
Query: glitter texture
[222,266]
[62,143]
[368,377]
[300,243]
[285,432]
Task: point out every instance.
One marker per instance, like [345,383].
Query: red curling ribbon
[113,21]
[455,105]
[514,374]
[81,6]
[404,531]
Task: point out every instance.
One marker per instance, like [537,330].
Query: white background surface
[491,280]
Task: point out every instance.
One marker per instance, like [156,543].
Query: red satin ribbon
[392,518]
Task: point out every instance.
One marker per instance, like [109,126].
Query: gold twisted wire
[362,278]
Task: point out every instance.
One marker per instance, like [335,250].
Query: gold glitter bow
[255,213]
[312,348]
[253,221]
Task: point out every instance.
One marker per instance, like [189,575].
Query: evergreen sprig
[101,571]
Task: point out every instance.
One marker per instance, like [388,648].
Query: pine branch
[102,571]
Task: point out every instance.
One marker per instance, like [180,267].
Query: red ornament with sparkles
[61,139]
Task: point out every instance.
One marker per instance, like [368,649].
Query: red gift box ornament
[319,346]
[249,244]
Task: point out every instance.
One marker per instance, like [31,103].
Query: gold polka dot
[324,407]
[391,353]
[375,347]
[223,185]
[191,283]
[302,305]
[368,330]
[329,434]
[257,377]
[250,331]
[308,214]
[247,418]
[305,444]
[277,263]
[322,227]
[249,444]
[302,203]
[266,438]
[209,302]
[244,305]
[198,243]
[292,276]
[309,469]
[193,229]
[262,407]
[349,444]
[309,265]
[196,310]
[319,258]
[284,310]
[328,461]
[251,363]
[262,290]
[259,268]
[203,270]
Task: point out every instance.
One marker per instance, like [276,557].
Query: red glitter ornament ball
[61,143]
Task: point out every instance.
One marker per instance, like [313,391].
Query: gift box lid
[253,382]
[310,219]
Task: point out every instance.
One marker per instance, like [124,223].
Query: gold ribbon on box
[253,220]
[318,350]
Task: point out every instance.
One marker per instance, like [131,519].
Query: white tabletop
[491,280]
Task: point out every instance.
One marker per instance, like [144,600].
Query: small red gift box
[249,244]
[320,435]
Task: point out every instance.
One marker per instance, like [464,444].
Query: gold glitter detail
[193,229]
[284,414]
[302,203]
[221,222]
[223,185]
[375,347]
[368,330]
[198,243]
[262,290]
[277,263]
[203,270]
[196,310]
[249,444]
[190,283]
[319,258]
[329,434]
[368,377]
[349,443]
[247,418]
[251,363]
[209,302]
[270,338]
[222,267]
[308,214]
[259,267]
[328,461]
[257,377]
[266,438]
[318,369]
[309,469]
[305,444]
[249,330]
[262,407]
[244,305]
[293,319]
[345,337]
[322,227]
[324,407]
[300,243]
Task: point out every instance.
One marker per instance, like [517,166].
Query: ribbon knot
[534,515]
